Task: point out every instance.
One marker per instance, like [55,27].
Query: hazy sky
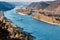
[24,0]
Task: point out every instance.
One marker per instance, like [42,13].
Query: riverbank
[46,21]
[23,11]
[9,31]
[29,25]
[45,18]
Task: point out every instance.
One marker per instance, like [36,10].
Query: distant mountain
[20,3]
[6,6]
[38,5]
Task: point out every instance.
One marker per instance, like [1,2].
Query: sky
[25,0]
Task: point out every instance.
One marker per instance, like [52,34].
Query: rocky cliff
[9,31]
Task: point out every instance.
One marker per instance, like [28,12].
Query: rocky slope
[58,10]
[38,5]
[9,31]
[51,14]
[53,6]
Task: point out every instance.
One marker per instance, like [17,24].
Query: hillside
[6,6]
[9,31]
[38,5]
[58,10]
[20,3]
[53,6]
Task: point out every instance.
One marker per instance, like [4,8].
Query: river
[41,30]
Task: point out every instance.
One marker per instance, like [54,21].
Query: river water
[41,30]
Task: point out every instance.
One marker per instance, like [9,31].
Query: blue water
[41,30]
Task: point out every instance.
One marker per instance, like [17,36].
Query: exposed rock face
[57,10]
[51,14]
[53,6]
[9,31]
[38,5]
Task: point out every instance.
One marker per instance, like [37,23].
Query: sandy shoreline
[41,20]
[46,21]
[21,13]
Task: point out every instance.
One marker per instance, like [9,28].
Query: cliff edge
[9,31]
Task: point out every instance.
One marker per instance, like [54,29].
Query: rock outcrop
[9,31]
